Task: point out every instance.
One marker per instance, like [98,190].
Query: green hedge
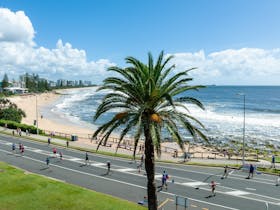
[23,127]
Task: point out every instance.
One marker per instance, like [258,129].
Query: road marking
[74,159]
[194,184]
[37,150]
[164,202]
[233,176]
[193,206]
[122,182]
[157,176]
[125,169]
[237,192]
[248,188]
[97,164]
[201,201]
[8,143]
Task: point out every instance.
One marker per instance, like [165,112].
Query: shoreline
[50,121]
[53,122]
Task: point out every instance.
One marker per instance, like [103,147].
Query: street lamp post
[244,108]
[37,116]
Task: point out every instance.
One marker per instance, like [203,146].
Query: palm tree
[148,96]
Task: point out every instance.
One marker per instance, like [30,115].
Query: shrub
[14,125]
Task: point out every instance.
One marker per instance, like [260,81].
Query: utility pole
[37,115]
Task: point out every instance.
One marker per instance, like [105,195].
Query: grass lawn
[24,191]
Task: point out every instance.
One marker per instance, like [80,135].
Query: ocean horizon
[223,115]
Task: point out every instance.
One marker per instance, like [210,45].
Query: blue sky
[220,37]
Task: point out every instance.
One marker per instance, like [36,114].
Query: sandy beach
[28,104]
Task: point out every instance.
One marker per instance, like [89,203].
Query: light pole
[244,108]
[37,115]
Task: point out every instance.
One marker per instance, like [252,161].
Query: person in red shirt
[213,187]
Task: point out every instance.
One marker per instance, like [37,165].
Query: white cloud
[247,66]
[15,27]
[19,54]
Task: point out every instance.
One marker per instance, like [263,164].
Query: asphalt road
[124,181]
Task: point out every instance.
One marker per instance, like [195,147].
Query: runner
[54,151]
[49,141]
[47,161]
[213,187]
[164,180]
[108,167]
[60,155]
[251,171]
[67,143]
[225,173]
[22,149]
[13,147]
[86,159]
[141,163]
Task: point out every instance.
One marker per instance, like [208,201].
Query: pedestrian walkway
[86,146]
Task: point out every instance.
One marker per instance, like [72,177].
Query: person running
[67,143]
[20,146]
[54,151]
[213,187]
[49,141]
[60,155]
[13,147]
[251,171]
[225,172]
[164,180]
[108,167]
[47,161]
[86,159]
[141,163]
[22,149]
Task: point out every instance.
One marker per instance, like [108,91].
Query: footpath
[165,157]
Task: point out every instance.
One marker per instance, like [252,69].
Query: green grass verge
[24,191]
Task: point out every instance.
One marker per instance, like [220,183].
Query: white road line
[194,184]
[237,192]
[74,159]
[121,182]
[158,176]
[248,188]
[97,164]
[125,169]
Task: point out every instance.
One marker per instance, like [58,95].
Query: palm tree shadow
[209,196]
[42,169]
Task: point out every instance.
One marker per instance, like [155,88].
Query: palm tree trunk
[150,168]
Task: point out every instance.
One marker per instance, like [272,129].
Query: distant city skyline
[232,42]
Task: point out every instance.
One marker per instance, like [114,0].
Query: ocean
[223,115]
